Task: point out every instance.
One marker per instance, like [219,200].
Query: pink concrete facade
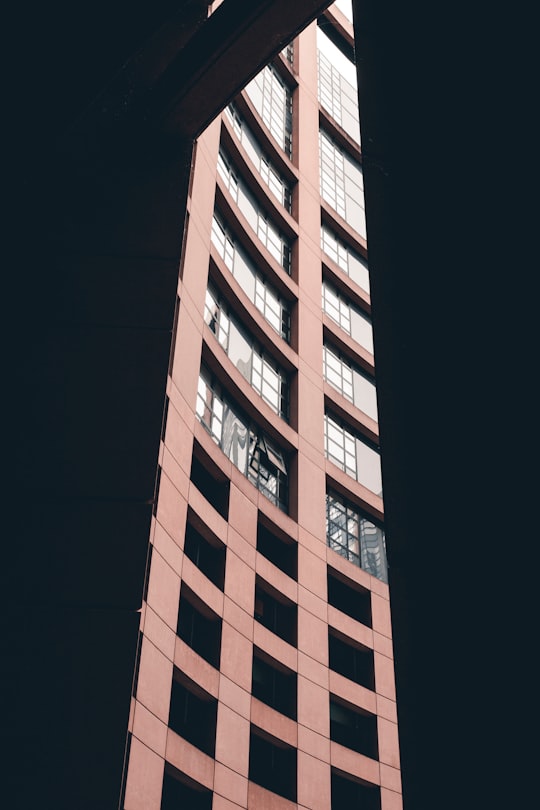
[154,746]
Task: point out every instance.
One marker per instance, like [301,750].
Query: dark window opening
[214,489]
[353,662]
[193,714]
[147,571]
[181,791]
[283,554]
[353,728]
[124,775]
[272,765]
[137,664]
[156,491]
[348,793]
[273,684]
[164,418]
[276,614]
[208,557]
[351,599]
[199,627]
[177,304]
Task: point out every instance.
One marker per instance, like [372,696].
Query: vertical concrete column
[313,702]
[310,508]
[387,728]
[232,734]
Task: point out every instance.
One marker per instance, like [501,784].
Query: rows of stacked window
[337,85]
[275,309]
[250,449]
[350,531]
[342,188]
[270,236]
[193,711]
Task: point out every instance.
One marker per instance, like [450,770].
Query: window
[338,373]
[266,171]
[251,451]
[209,557]
[209,407]
[340,446]
[267,470]
[273,684]
[353,728]
[181,791]
[282,553]
[351,383]
[268,380]
[275,612]
[349,598]
[347,792]
[347,316]
[210,481]
[342,184]
[272,764]
[273,240]
[351,660]
[349,261]
[336,307]
[288,52]
[193,714]
[338,85]
[273,308]
[272,100]
[199,627]
[352,454]
[355,536]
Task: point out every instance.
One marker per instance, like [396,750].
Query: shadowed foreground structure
[106,105]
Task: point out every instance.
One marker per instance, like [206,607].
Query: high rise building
[264,675]
[103,106]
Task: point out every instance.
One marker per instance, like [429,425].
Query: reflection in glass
[235,439]
[240,351]
[355,537]
[268,380]
[209,408]
[261,461]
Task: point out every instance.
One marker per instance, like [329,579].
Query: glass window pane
[240,351]
[244,275]
[369,467]
[365,395]
[361,329]
[235,439]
